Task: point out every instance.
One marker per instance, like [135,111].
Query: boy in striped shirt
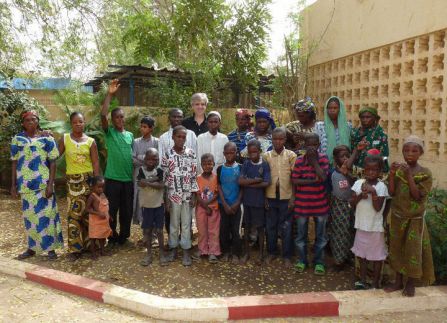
[309,177]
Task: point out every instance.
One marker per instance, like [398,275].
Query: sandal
[300,267]
[319,270]
[359,285]
[27,254]
[52,255]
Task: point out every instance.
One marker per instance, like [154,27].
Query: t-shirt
[150,197]
[228,179]
[255,196]
[340,186]
[208,189]
[366,217]
[119,155]
[310,199]
[77,155]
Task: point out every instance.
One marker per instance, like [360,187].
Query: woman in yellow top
[81,155]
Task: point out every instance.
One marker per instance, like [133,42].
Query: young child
[150,195]
[368,198]
[309,176]
[255,177]
[207,210]
[139,149]
[180,167]
[230,197]
[98,219]
[341,226]
[33,158]
[279,193]
[212,141]
[410,250]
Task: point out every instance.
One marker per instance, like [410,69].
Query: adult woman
[81,156]
[369,135]
[334,130]
[264,124]
[305,111]
[33,158]
[197,122]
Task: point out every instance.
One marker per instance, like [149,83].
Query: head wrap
[263,113]
[414,140]
[305,105]
[216,113]
[344,130]
[371,110]
[29,113]
[243,113]
[373,152]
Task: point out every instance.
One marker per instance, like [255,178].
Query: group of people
[262,180]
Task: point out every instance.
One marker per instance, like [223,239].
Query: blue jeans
[279,219]
[320,239]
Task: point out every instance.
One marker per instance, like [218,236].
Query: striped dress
[310,199]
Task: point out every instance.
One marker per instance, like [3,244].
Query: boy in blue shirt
[230,196]
[255,177]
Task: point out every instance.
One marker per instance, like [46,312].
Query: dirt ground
[202,279]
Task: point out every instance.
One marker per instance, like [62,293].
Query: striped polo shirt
[310,199]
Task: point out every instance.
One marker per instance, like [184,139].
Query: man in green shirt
[119,168]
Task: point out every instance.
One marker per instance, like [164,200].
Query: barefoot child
[33,171]
[309,176]
[255,177]
[340,227]
[410,250]
[230,196]
[150,196]
[207,210]
[279,197]
[180,167]
[99,218]
[368,198]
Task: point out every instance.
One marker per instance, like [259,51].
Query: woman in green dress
[410,251]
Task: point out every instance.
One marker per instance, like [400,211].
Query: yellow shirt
[77,155]
[281,167]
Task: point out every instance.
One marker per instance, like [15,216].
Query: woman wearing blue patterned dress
[33,171]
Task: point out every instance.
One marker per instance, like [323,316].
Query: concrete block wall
[406,81]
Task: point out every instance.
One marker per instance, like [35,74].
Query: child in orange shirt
[207,210]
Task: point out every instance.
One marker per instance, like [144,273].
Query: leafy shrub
[436,218]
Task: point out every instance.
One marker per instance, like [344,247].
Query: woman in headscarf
[306,114]
[368,136]
[264,124]
[334,130]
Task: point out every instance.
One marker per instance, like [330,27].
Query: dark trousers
[230,239]
[279,219]
[120,196]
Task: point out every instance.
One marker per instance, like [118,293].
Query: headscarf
[373,152]
[371,110]
[263,113]
[414,140]
[29,113]
[216,113]
[343,128]
[306,105]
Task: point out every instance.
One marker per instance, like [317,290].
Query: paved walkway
[24,301]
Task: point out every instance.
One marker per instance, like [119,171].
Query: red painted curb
[70,283]
[288,305]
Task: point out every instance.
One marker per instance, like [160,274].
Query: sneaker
[147,260]
[319,270]
[212,259]
[300,267]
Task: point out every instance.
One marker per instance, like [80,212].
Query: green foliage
[12,104]
[436,218]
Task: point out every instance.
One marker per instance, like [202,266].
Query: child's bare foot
[260,261]
[225,257]
[270,259]
[287,263]
[105,253]
[409,289]
[235,260]
[393,287]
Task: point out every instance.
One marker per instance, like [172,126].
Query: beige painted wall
[359,25]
